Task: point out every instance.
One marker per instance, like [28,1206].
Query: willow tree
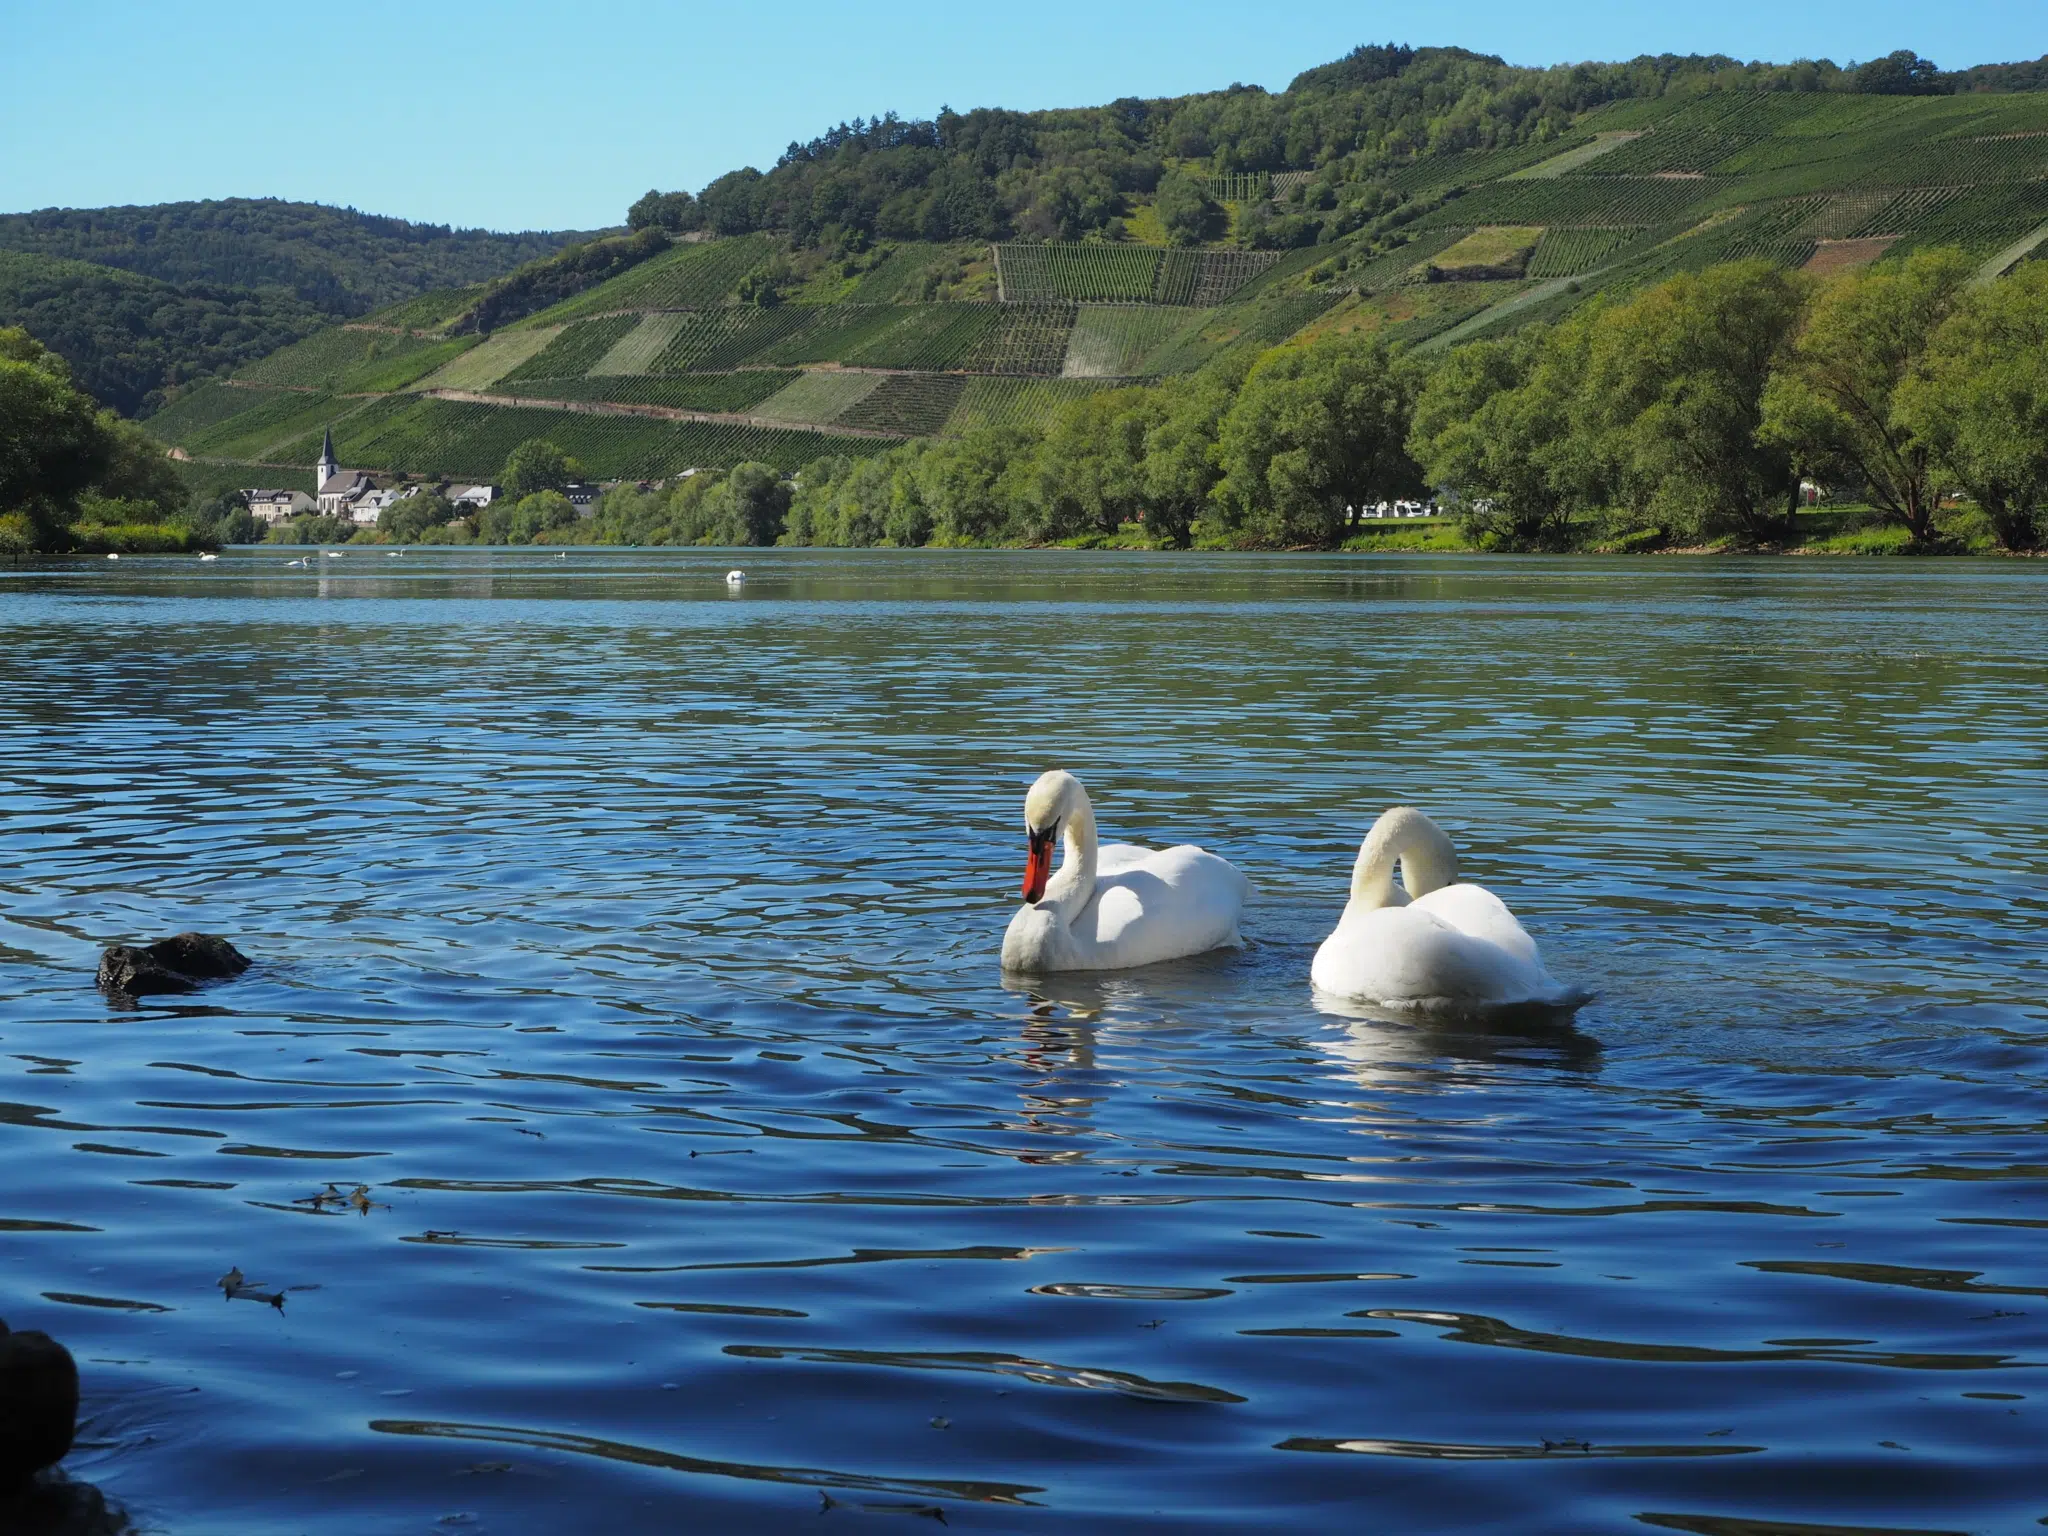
[1980,402]
[1833,404]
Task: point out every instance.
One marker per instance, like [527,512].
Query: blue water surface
[630,1114]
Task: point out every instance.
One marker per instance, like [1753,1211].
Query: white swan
[204,558]
[735,578]
[113,557]
[1112,907]
[1438,945]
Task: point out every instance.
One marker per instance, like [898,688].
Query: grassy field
[489,360]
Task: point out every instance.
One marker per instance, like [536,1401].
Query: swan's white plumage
[1437,945]
[1120,905]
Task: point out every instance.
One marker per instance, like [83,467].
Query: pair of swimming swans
[1429,942]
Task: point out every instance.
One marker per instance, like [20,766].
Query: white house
[475,497]
[269,507]
[371,505]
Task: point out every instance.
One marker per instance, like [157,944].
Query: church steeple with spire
[328,466]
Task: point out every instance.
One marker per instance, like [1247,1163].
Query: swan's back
[1457,947]
[1148,905]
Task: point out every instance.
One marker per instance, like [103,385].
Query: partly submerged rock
[53,1505]
[177,964]
[38,1405]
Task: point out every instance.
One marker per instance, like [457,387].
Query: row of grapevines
[1092,272]
[571,354]
[1701,135]
[1027,403]
[907,404]
[683,392]
[460,438]
[259,433]
[1572,252]
[1112,341]
[1588,200]
[710,339]
[1027,339]
[1219,274]
[819,396]
[206,405]
[1984,218]
[927,336]
[327,359]
[694,275]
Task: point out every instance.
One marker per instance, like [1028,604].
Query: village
[361,498]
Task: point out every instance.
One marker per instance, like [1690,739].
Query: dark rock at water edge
[38,1405]
[177,964]
[53,1505]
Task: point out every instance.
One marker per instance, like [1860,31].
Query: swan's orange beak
[1037,862]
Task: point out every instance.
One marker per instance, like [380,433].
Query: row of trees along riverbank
[1685,414]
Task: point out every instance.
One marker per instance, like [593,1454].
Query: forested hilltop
[141,300]
[1235,317]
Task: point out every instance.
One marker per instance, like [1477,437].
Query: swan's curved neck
[1070,888]
[1407,837]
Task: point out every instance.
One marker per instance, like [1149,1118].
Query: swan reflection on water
[1373,1039]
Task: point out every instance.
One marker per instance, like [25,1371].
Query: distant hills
[142,299]
[1427,196]
[895,279]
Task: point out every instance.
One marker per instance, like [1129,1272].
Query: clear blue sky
[552,114]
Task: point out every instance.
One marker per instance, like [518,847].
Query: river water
[631,947]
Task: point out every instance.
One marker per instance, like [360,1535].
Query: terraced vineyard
[1125,274]
[461,439]
[907,404]
[819,397]
[1026,403]
[915,338]
[1117,341]
[726,392]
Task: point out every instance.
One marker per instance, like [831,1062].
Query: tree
[753,501]
[1901,73]
[52,446]
[542,513]
[1090,471]
[538,465]
[972,484]
[1493,431]
[405,522]
[1674,396]
[1190,214]
[1181,471]
[1832,404]
[1981,402]
[671,211]
[1316,431]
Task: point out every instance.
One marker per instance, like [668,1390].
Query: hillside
[741,347]
[129,337]
[141,300]
[340,261]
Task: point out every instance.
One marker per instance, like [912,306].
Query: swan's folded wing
[1477,912]
[1111,857]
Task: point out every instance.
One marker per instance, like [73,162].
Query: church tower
[328,467]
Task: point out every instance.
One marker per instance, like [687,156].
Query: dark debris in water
[240,1288]
[826,1504]
[334,1199]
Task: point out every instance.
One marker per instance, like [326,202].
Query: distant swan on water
[300,564]
[332,554]
[735,578]
[204,558]
[113,557]
[1115,906]
[1437,945]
